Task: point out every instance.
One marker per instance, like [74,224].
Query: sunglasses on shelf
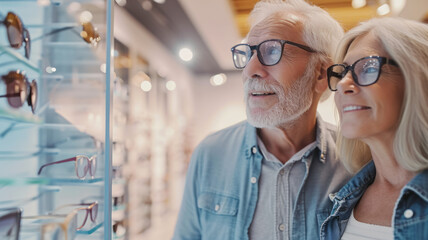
[19,90]
[89,34]
[17,34]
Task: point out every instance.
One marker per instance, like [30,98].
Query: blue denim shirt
[410,218]
[221,189]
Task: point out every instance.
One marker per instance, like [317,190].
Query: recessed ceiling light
[383,9]
[186,54]
[218,79]
[146,86]
[170,85]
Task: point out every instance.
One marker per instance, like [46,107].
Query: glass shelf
[18,116]
[18,57]
[89,231]
[46,181]
[121,207]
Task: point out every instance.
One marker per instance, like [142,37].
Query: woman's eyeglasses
[19,90]
[83,165]
[269,52]
[17,33]
[83,212]
[365,71]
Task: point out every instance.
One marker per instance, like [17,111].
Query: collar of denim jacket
[418,185]
[358,184]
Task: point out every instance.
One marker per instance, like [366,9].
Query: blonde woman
[381,89]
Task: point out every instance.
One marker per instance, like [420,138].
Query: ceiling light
[146,86]
[50,69]
[185,54]
[218,79]
[85,17]
[170,85]
[146,5]
[358,3]
[43,2]
[103,68]
[159,1]
[383,9]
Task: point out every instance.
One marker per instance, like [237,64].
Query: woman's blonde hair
[406,41]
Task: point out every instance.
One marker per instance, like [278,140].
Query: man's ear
[321,83]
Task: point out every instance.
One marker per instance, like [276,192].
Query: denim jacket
[221,189]
[410,218]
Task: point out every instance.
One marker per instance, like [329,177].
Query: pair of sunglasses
[88,33]
[19,90]
[17,34]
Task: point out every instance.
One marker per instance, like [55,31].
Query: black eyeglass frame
[331,73]
[259,56]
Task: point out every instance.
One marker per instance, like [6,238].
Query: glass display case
[55,130]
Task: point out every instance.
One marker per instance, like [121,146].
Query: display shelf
[17,57]
[89,231]
[46,181]
[121,207]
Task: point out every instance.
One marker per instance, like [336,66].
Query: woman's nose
[347,84]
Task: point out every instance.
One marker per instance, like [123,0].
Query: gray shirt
[279,185]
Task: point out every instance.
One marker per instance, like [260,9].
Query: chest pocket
[218,215]
[218,204]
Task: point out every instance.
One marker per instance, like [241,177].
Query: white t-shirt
[356,230]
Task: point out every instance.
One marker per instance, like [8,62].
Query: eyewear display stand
[55,113]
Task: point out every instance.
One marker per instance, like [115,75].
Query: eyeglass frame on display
[91,207]
[14,213]
[346,68]
[259,54]
[75,159]
[13,20]
[65,225]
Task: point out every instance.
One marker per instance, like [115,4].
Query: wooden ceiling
[341,10]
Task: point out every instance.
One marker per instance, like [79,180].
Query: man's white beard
[293,102]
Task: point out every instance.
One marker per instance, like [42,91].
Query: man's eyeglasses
[83,165]
[19,90]
[269,52]
[365,71]
[17,33]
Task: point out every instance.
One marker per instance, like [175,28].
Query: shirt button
[253,180]
[281,172]
[217,207]
[408,213]
[281,227]
[254,150]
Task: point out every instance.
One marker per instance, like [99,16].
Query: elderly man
[270,177]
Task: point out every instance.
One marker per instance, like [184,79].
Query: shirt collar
[419,185]
[358,184]
[251,146]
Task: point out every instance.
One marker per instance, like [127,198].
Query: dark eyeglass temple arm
[11,95]
[51,163]
[52,33]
